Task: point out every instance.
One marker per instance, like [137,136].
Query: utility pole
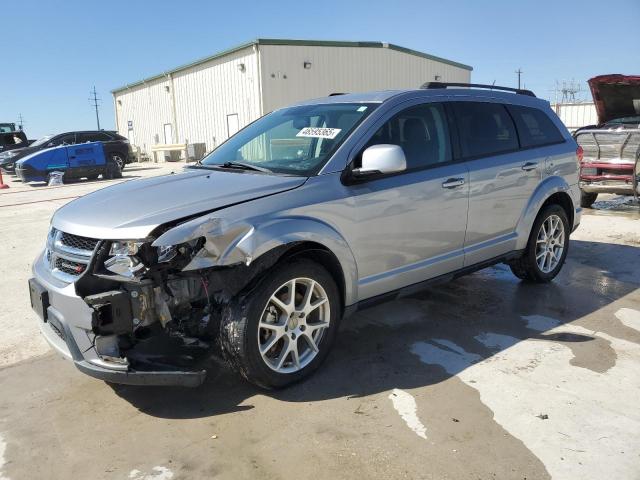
[20,122]
[519,73]
[94,99]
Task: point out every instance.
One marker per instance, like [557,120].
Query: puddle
[614,204]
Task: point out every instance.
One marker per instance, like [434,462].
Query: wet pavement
[481,378]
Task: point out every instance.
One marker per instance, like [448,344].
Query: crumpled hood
[131,210]
[615,96]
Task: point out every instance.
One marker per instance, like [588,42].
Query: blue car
[85,160]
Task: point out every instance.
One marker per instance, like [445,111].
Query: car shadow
[427,338]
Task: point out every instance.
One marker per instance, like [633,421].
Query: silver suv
[313,211]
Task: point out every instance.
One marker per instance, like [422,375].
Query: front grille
[67,256]
[69,266]
[78,242]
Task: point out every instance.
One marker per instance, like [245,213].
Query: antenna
[94,99]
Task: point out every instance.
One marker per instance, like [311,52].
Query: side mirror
[381,159]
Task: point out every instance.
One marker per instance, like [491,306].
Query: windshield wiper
[245,166]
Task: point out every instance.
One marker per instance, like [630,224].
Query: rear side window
[484,129]
[534,126]
[93,137]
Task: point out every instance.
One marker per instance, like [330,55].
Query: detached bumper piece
[148,378]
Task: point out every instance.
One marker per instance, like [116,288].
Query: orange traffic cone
[2,184]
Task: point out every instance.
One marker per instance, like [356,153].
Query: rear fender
[231,243]
[547,187]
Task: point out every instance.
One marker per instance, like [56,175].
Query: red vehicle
[611,149]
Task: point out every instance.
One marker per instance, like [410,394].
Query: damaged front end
[157,308]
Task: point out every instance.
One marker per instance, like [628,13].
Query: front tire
[547,247]
[279,331]
[587,199]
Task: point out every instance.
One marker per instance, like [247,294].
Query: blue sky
[55,52]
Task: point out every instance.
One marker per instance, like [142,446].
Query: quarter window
[484,129]
[534,126]
[421,132]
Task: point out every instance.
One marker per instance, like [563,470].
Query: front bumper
[30,175]
[9,167]
[68,330]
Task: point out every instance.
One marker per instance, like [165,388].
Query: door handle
[453,183]
[72,156]
[527,167]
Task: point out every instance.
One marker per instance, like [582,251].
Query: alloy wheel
[118,160]
[292,325]
[550,243]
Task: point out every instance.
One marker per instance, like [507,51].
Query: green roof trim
[310,43]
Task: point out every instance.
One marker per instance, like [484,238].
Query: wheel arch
[553,190]
[231,243]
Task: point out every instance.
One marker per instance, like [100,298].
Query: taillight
[579,153]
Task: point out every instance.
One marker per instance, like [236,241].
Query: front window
[42,141]
[294,141]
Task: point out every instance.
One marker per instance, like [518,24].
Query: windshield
[296,140]
[41,141]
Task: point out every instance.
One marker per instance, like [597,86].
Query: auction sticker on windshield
[319,132]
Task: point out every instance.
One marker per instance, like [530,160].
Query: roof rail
[336,93]
[433,85]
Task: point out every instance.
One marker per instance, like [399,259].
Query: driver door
[410,226]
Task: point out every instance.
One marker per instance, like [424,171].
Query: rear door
[502,178]
[409,227]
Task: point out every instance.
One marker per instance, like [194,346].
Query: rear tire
[587,199]
[274,341]
[546,249]
[112,170]
[119,160]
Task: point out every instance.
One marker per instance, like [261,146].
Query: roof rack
[433,85]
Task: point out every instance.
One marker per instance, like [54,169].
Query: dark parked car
[611,149]
[116,147]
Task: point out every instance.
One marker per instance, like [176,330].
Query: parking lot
[484,377]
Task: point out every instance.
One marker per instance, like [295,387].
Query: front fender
[230,243]
[548,187]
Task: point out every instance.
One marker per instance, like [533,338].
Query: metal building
[208,100]
[576,115]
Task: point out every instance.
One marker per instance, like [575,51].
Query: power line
[94,99]
[519,72]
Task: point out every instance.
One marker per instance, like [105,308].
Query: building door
[168,133]
[233,124]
